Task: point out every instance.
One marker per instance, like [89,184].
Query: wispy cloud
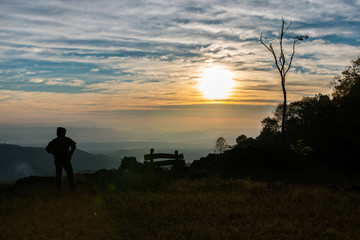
[36,80]
[128,54]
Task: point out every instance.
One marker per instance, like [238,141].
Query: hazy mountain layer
[18,162]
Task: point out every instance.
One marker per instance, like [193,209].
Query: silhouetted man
[62,148]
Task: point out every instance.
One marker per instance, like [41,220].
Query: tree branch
[271,49]
[291,58]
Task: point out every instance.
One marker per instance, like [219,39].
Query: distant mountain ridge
[18,162]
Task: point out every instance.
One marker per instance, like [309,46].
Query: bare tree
[221,145]
[283,66]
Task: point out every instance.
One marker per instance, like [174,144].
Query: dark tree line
[323,127]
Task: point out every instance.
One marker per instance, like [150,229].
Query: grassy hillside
[157,206]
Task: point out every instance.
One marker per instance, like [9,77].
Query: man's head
[60,132]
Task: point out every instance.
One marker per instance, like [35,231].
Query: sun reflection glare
[216,83]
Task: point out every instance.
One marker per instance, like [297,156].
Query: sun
[216,83]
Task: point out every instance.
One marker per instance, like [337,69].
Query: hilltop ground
[167,205]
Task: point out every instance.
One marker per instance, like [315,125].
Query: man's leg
[70,175]
[58,175]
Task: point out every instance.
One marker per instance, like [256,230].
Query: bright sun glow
[216,83]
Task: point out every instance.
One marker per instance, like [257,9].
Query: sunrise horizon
[174,66]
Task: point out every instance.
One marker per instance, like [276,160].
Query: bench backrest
[172,159]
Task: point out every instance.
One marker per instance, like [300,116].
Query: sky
[139,65]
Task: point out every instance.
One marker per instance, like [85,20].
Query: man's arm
[72,146]
[72,149]
[50,148]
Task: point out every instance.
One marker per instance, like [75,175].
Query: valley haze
[105,140]
[23,147]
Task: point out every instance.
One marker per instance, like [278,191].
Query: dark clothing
[69,172]
[62,148]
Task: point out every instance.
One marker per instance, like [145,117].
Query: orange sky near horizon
[180,66]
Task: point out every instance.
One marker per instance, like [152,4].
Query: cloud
[116,55]
[37,80]
[60,82]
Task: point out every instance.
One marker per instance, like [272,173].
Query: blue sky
[136,64]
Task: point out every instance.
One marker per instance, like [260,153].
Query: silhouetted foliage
[244,142]
[221,145]
[270,135]
[300,148]
[329,127]
[130,163]
[348,83]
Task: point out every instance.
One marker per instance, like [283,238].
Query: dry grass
[209,208]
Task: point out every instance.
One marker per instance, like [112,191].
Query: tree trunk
[284,118]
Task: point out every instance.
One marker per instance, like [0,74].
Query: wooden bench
[171,159]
